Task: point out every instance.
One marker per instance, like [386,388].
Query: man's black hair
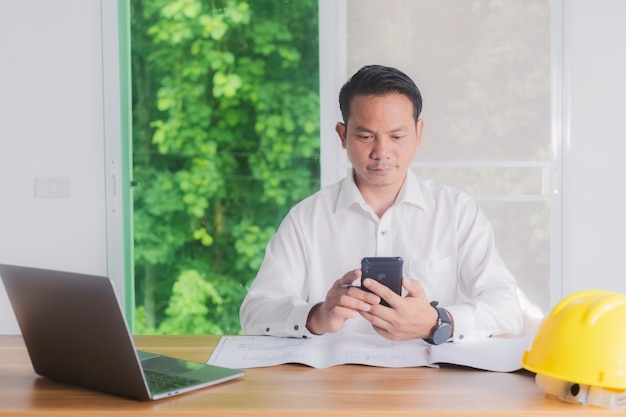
[378,80]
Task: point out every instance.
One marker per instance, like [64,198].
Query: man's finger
[414,288]
[379,289]
[348,279]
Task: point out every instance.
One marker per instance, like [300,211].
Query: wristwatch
[443,329]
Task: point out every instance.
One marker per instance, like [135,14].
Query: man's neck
[380,198]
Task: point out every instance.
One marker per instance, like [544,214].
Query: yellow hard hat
[583,341]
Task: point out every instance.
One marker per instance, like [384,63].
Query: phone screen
[386,270]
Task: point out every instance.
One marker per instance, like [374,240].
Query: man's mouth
[379,169]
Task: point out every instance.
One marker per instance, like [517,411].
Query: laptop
[75,332]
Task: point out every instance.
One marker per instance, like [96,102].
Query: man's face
[380,138]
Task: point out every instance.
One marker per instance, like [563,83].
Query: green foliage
[226,140]
[189,306]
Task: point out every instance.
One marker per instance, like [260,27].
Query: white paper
[241,352]
[501,354]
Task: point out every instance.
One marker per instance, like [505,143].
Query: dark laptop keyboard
[160,382]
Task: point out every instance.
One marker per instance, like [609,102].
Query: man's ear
[341,128]
[419,127]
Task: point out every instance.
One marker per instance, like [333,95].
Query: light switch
[53,187]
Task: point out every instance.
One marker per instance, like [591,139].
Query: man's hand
[406,318]
[343,301]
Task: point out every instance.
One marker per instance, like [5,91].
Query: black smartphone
[386,270]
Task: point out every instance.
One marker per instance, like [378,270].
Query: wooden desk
[347,390]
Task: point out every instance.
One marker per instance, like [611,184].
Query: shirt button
[383,232]
[296,327]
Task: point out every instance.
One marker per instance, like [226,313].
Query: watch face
[442,334]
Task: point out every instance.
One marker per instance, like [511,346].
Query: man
[457,282]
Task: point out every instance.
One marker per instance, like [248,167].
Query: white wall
[594,148]
[51,126]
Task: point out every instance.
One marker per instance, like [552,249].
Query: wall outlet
[53,188]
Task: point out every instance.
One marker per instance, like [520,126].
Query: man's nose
[380,150]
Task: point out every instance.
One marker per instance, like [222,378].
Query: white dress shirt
[446,242]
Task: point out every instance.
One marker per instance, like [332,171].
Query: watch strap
[443,328]
[442,314]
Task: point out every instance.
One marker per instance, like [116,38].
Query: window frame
[334,163]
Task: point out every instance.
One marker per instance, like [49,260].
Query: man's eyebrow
[395,129]
[399,129]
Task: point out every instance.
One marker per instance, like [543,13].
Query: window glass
[226,133]
[484,72]
[225,141]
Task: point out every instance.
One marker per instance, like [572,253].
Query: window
[225,141]
[226,128]
[484,73]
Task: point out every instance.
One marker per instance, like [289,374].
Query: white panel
[558,127]
[51,118]
[594,203]
[333,74]
[116,187]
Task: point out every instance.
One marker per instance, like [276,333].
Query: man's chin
[381,179]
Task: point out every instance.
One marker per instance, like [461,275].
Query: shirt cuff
[463,319]
[294,326]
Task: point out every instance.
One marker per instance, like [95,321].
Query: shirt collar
[349,194]
[411,191]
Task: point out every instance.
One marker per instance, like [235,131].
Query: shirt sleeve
[277,302]
[490,303]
